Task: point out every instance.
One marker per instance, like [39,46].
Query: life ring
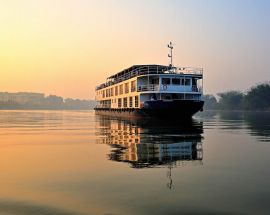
[164,87]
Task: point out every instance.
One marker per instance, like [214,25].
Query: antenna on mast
[170,46]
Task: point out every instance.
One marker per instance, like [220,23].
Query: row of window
[118,90]
[175,81]
[131,86]
[127,102]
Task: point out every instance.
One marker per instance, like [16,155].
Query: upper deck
[138,70]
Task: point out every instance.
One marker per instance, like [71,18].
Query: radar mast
[170,46]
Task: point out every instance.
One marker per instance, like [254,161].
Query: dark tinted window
[187,81]
[166,81]
[176,81]
[155,81]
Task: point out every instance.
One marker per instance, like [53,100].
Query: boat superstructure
[152,90]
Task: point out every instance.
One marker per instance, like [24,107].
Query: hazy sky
[67,47]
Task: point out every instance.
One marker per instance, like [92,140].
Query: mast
[170,46]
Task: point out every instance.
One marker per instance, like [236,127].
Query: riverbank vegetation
[256,98]
[38,101]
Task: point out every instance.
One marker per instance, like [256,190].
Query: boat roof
[148,69]
[142,68]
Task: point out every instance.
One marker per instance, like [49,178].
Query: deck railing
[138,72]
[156,87]
[150,87]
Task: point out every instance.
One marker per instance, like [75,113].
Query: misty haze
[134,107]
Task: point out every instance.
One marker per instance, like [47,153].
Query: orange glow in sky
[67,47]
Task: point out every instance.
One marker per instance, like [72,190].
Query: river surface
[75,163]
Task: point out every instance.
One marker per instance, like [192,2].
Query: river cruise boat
[152,91]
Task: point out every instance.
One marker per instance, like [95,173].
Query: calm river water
[74,162]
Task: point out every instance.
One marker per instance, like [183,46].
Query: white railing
[189,70]
[149,87]
[138,71]
[156,87]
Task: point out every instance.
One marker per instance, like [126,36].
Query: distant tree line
[256,98]
[50,102]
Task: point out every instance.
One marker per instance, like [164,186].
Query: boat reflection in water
[152,143]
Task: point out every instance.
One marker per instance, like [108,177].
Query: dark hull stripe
[164,109]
